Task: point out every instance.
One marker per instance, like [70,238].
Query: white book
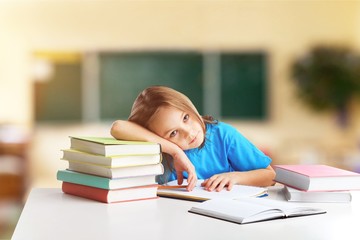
[112,161]
[200,194]
[294,195]
[102,182]
[120,172]
[249,210]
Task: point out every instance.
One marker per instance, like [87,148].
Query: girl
[200,147]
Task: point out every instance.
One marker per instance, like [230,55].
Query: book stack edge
[109,170]
[317,183]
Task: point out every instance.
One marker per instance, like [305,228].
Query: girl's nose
[189,134]
[186,132]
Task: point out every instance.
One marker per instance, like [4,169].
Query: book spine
[120,172]
[83,179]
[96,194]
[74,155]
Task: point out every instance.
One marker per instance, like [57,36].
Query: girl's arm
[258,177]
[122,129]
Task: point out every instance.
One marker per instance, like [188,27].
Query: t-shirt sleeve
[244,155]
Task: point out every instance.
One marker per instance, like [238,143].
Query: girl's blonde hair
[149,101]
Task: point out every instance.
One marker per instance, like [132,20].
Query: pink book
[317,177]
[111,196]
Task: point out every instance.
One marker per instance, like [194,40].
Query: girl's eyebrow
[166,132]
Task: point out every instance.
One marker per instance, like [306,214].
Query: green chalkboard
[124,75]
[243,85]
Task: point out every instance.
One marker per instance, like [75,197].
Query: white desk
[50,214]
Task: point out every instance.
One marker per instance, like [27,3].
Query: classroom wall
[283,29]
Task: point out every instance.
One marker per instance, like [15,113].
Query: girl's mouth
[194,139]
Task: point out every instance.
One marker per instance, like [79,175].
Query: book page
[247,210]
[199,193]
[236,210]
[289,209]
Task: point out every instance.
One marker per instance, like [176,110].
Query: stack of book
[317,183]
[110,170]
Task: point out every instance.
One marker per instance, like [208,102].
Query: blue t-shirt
[225,150]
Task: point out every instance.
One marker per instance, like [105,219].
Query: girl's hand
[258,177]
[181,164]
[219,181]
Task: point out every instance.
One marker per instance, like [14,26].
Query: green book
[108,146]
[102,182]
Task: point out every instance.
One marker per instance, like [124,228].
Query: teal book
[102,182]
[108,146]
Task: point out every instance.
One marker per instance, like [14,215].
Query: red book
[111,196]
[317,177]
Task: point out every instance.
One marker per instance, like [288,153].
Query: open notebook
[200,194]
[248,210]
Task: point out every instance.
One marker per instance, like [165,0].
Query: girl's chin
[197,143]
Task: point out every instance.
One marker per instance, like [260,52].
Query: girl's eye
[173,133]
[186,117]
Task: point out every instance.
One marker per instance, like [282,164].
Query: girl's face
[178,127]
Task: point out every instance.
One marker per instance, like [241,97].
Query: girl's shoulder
[222,129]
[222,126]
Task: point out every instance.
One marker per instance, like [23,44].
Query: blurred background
[284,73]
